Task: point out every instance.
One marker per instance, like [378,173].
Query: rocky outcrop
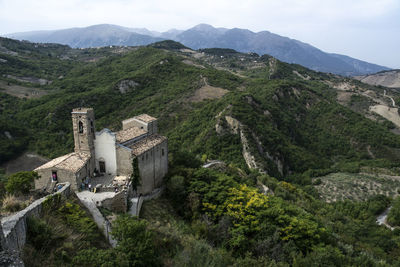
[10,259]
[126,86]
[237,127]
[234,126]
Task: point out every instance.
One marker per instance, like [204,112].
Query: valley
[321,146]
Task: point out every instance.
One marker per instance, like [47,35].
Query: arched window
[80,126]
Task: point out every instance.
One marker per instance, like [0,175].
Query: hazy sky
[365,29]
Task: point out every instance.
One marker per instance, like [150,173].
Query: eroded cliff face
[230,124]
[236,127]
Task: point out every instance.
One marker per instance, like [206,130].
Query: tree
[394,213]
[21,182]
[135,241]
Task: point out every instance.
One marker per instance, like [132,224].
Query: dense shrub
[394,213]
[21,182]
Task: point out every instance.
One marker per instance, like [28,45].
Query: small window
[162,152]
[141,127]
[147,156]
[142,157]
[80,126]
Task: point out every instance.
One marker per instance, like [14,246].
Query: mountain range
[207,36]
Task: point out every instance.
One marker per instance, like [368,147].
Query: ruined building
[110,154]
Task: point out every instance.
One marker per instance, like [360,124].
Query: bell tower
[84,130]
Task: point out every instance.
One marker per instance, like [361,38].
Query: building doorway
[102,166]
[54,176]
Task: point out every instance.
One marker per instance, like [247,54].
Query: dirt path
[393,103]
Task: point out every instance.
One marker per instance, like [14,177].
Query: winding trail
[211,163]
[393,103]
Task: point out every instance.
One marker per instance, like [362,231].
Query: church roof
[145,118]
[147,143]
[71,162]
[129,134]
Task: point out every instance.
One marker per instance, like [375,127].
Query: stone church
[110,154]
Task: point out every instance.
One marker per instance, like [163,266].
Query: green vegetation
[135,247]
[295,131]
[63,230]
[21,182]
[394,213]
[288,228]
[354,186]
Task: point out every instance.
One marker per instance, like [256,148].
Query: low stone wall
[14,226]
[118,203]
[137,202]
[101,222]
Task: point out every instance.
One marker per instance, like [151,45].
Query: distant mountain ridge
[207,36]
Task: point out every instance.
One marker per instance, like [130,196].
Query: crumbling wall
[14,227]
[118,203]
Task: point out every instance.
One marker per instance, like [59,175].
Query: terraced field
[342,186]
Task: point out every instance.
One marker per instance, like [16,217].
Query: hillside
[206,36]
[385,78]
[274,125]
[165,83]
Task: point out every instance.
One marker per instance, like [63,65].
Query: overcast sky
[365,29]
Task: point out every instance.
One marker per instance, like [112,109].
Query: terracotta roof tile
[146,143]
[128,134]
[145,118]
[70,162]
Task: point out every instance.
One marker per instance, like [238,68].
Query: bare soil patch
[388,113]
[208,92]
[21,91]
[191,63]
[343,97]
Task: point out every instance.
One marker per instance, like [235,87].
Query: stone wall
[153,166]
[101,222]
[14,226]
[124,161]
[63,176]
[118,203]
